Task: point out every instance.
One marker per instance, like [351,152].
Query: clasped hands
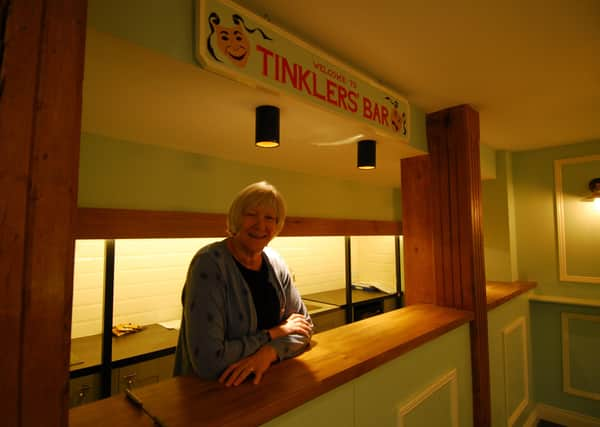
[258,362]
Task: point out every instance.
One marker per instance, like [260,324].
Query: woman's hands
[296,323]
[259,362]
[256,364]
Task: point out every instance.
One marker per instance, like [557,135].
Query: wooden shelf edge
[102,223]
[498,293]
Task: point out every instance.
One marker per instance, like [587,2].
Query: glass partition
[373,262]
[88,301]
[86,322]
[149,275]
[143,279]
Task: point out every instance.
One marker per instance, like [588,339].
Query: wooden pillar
[444,264]
[40,124]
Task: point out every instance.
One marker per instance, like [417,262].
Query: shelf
[153,341]
[338,296]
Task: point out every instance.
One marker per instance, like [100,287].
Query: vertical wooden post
[40,126]
[417,231]
[442,229]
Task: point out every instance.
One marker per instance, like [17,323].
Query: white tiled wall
[317,263]
[149,277]
[374,261]
[150,273]
[88,288]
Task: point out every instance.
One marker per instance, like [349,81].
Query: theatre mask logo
[231,42]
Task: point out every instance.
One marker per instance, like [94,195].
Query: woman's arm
[290,337]
[290,344]
[210,350]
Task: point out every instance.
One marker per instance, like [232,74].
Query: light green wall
[499,319]
[496,197]
[164,26]
[537,247]
[580,220]
[487,161]
[121,174]
[374,398]
[520,235]
[548,362]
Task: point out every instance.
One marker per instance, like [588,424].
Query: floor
[544,423]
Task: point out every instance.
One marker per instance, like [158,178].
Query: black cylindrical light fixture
[267,126]
[365,158]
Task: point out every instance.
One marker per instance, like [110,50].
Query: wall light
[365,158]
[267,126]
[594,196]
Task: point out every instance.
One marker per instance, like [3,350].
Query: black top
[263,293]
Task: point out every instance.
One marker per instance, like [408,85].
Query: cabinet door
[84,390]
[143,373]
[328,320]
[389,304]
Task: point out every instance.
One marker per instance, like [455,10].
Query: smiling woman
[241,311]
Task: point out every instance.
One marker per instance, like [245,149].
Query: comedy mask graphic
[232,42]
[398,119]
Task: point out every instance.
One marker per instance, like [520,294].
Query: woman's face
[257,228]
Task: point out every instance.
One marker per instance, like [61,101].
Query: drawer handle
[130,380]
[83,391]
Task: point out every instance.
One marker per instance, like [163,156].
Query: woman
[241,311]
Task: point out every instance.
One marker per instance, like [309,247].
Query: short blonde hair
[258,194]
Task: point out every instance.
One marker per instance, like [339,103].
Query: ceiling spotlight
[366,154]
[267,126]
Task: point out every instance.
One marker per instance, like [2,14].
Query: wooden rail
[100,223]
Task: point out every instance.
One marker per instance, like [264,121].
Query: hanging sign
[234,42]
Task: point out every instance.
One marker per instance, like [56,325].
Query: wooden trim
[443,231]
[418,232]
[18,78]
[99,223]
[40,116]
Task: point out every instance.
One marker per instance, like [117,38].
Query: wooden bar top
[497,293]
[334,358]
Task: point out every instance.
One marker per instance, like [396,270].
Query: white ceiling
[531,68]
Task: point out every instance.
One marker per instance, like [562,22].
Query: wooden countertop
[498,293]
[334,358]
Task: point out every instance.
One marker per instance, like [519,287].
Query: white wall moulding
[565,300]
[516,370]
[564,417]
[448,383]
[236,43]
[572,217]
[580,354]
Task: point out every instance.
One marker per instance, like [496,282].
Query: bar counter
[334,358]
[497,293]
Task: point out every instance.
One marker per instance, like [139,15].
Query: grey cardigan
[218,325]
